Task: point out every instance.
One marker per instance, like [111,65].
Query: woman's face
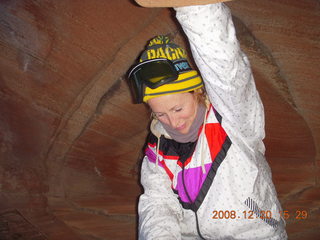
[176,110]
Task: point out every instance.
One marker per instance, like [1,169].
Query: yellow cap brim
[186,82]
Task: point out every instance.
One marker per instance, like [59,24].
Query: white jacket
[239,200]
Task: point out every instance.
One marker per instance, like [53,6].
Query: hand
[175,3]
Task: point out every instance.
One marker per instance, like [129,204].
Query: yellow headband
[186,82]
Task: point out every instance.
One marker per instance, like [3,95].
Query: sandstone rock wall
[71,140]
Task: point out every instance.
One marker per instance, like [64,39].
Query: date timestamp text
[232,214]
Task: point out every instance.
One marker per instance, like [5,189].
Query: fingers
[175,3]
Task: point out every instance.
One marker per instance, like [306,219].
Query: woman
[204,174]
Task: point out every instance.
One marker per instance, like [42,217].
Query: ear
[175,3]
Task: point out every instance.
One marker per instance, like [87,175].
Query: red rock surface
[71,139]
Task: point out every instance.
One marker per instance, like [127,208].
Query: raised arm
[225,70]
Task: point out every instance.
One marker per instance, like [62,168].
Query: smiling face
[176,110]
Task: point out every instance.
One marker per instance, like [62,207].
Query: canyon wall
[71,140]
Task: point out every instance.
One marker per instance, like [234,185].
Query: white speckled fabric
[241,190]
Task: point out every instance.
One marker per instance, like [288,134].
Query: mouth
[181,127]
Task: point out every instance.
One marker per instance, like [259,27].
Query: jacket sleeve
[225,70]
[159,209]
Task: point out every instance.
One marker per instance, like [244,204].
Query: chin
[184,131]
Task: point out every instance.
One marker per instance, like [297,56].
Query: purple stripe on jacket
[152,156]
[193,178]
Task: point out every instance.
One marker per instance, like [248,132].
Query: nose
[173,120]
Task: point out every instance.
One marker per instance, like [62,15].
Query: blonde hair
[201,96]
